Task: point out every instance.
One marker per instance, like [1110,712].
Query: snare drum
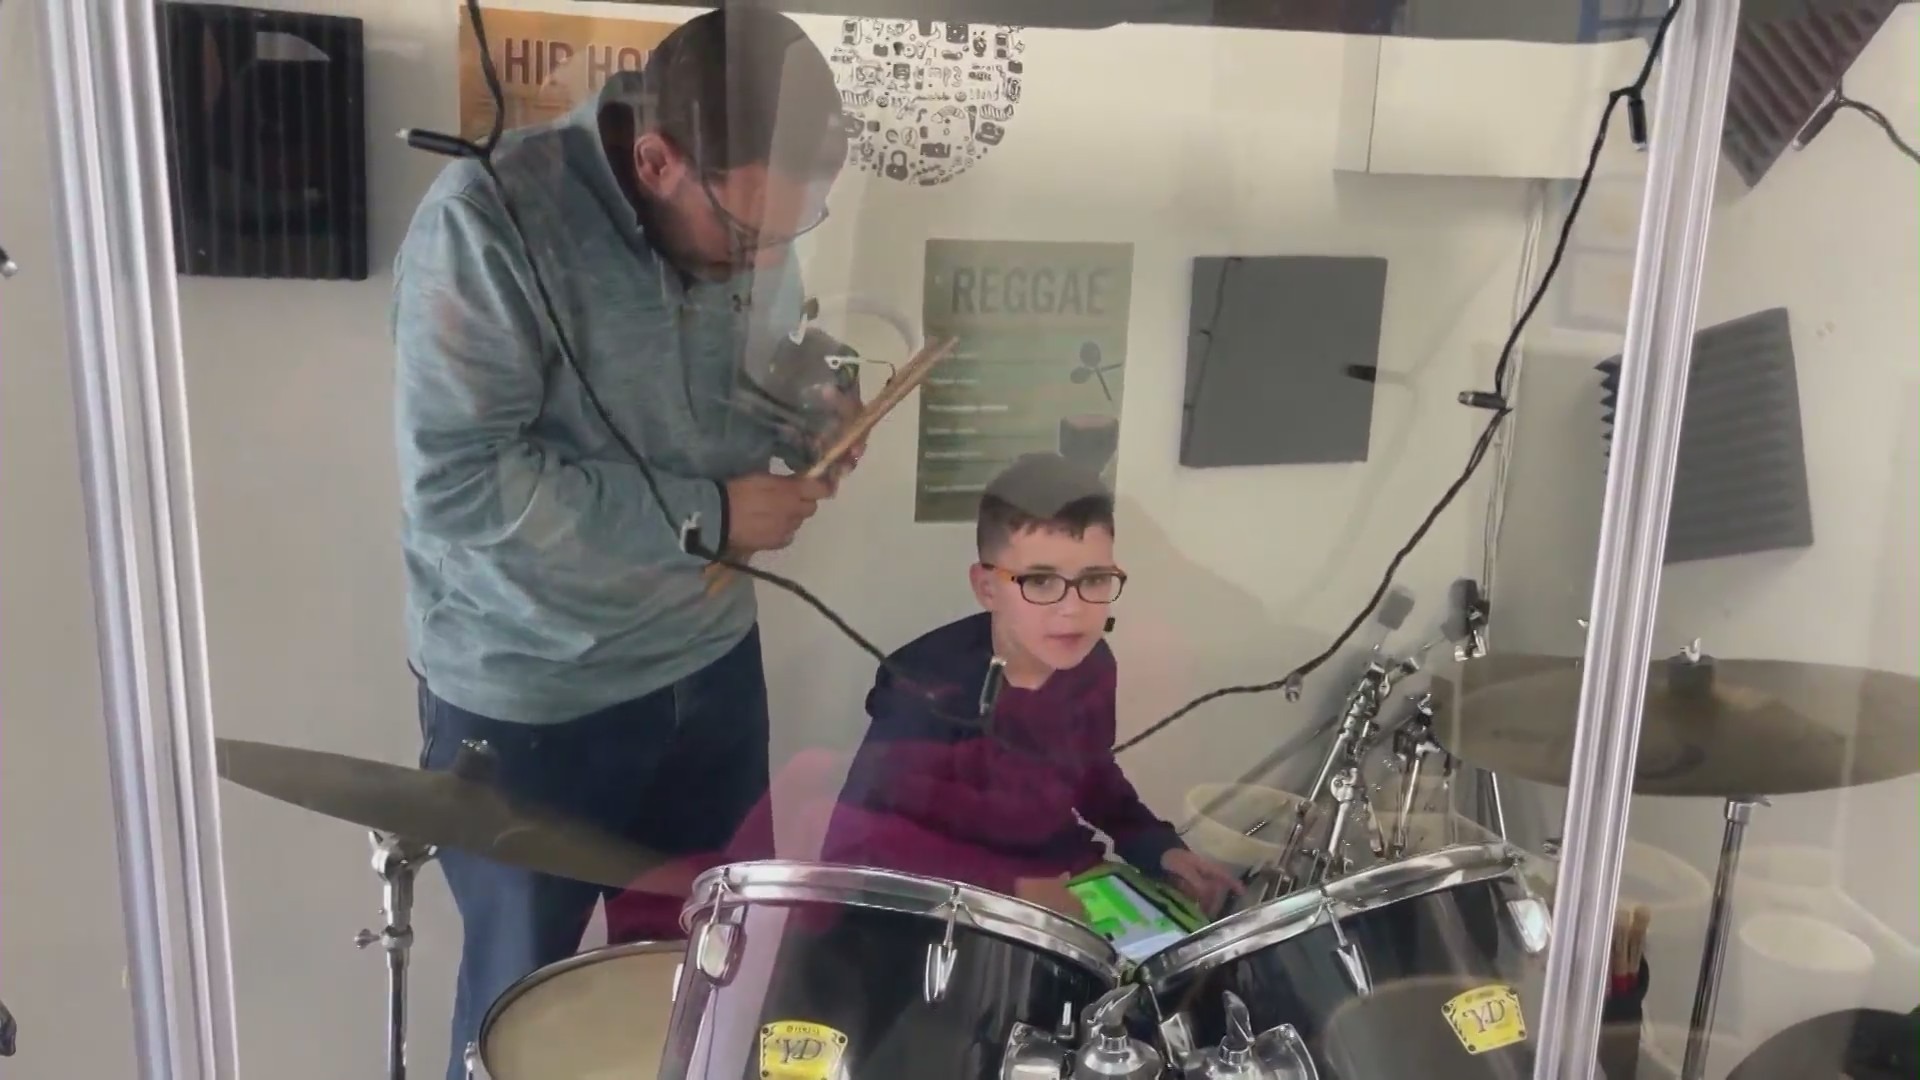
[1424,967]
[825,972]
[601,1013]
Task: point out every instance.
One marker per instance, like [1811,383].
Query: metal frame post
[110,174]
[1688,110]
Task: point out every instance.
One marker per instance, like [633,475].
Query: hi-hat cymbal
[437,808]
[1747,727]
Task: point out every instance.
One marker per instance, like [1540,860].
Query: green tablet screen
[1136,924]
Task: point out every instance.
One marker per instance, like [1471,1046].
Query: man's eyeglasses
[746,236]
[1047,587]
[751,237]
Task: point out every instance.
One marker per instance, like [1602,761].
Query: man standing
[604,285]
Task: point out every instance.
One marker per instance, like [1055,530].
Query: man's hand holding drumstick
[766,511]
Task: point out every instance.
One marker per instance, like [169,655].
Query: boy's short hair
[1041,491]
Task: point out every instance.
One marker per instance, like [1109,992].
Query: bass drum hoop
[785,882]
[540,976]
[1290,916]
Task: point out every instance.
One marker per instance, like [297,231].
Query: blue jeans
[676,771]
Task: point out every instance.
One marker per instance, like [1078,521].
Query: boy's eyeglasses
[1047,587]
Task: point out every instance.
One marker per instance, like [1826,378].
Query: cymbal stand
[1490,808]
[1413,744]
[397,861]
[1713,955]
[1331,860]
[1357,730]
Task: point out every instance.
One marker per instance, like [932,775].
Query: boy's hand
[1051,893]
[1208,882]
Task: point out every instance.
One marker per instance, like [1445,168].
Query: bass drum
[802,971]
[599,1014]
[1427,967]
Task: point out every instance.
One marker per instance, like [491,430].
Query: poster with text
[1040,364]
[547,63]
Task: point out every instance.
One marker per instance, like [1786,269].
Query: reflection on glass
[1089,441]
[999,849]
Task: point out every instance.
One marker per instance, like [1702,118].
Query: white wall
[1181,142]
[62,953]
[1830,234]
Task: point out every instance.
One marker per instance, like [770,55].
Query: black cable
[1634,95]
[1879,119]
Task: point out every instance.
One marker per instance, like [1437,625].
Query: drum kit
[1361,948]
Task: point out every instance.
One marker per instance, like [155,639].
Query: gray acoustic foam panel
[1786,59]
[1273,344]
[1741,483]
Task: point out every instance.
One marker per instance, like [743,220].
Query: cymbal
[438,808]
[1727,728]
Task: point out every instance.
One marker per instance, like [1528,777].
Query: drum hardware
[397,861]
[1347,794]
[1110,1050]
[476,1069]
[1033,1054]
[941,955]
[1532,916]
[1338,778]
[1279,1053]
[1413,743]
[716,944]
[1472,610]
[1362,704]
[1177,1036]
[1492,807]
[1352,964]
[1713,954]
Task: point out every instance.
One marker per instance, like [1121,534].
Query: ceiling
[1789,57]
[1511,20]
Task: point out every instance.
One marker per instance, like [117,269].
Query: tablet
[1139,916]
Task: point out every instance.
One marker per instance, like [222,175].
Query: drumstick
[904,382]
[1630,941]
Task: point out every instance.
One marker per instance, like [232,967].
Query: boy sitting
[997,785]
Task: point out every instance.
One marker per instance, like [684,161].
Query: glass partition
[1766,877]
[63,952]
[1791,562]
[1127,707]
